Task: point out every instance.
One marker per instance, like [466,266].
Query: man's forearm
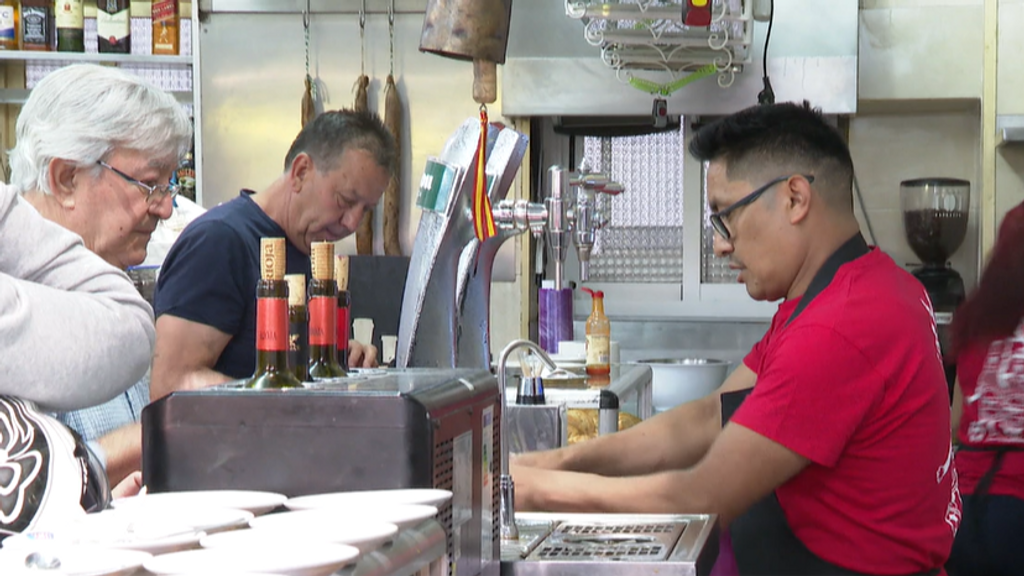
[662,493]
[123,448]
[194,380]
[670,441]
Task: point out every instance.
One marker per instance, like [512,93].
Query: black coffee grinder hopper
[935,212]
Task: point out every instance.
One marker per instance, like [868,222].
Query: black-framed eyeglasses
[718,218]
[154,194]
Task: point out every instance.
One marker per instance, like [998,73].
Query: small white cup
[362,330]
[389,344]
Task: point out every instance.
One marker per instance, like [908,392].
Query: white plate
[113,529]
[309,559]
[366,536]
[426,496]
[74,561]
[403,516]
[165,520]
[208,573]
[252,501]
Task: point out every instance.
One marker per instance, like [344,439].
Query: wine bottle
[36,24]
[113,26]
[298,325]
[344,305]
[323,315]
[70,17]
[272,320]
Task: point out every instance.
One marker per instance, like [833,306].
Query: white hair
[83,112]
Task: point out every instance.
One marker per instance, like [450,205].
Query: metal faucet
[586,218]
[509,531]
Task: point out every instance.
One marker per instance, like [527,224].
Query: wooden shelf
[32,56]
[20,95]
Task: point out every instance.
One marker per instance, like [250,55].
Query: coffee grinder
[935,214]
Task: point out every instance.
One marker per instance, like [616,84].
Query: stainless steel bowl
[679,380]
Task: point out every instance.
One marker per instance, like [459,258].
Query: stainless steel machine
[415,428]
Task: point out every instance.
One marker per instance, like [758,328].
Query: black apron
[979,499]
[763,542]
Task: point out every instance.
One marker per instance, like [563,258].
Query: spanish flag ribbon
[483,219]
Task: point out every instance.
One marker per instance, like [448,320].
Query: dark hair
[331,133]
[785,136]
[995,307]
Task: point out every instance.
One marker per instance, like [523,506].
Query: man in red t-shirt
[839,461]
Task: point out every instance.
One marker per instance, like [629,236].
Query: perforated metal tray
[614,544]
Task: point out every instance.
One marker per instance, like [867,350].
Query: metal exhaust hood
[552,70]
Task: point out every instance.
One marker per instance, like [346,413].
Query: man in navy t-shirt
[335,171]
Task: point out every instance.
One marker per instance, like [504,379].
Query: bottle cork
[296,289]
[341,272]
[272,258]
[322,260]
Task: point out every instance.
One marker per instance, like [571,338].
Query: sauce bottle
[598,336]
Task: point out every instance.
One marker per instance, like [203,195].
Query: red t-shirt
[855,384]
[991,378]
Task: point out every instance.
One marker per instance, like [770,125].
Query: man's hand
[525,483]
[361,355]
[130,486]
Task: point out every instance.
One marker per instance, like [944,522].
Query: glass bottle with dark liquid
[344,305]
[272,371]
[323,315]
[298,326]
[113,26]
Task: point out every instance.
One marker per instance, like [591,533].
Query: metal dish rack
[649,35]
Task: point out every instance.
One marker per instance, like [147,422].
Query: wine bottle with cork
[272,371]
[323,315]
[344,304]
[298,326]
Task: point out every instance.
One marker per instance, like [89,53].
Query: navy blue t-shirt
[210,276]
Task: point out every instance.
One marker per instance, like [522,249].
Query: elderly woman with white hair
[96,148]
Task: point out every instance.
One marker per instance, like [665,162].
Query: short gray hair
[83,112]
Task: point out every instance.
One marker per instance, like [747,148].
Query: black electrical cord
[767,95]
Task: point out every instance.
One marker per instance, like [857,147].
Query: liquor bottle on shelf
[272,369]
[113,26]
[165,27]
[298,325]
[344,305]
[37,25]
[70,18]
[186,177]
[323,315]
[9,24]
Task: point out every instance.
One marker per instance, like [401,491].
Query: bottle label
[272,324]
[598,350]
[165,26]
[323,315]
[112,25]
[70,14]
[298,344]
[343,337]
[7,31]
[34,25]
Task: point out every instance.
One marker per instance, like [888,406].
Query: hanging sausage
[364,235]
[393,121]
[308,108]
